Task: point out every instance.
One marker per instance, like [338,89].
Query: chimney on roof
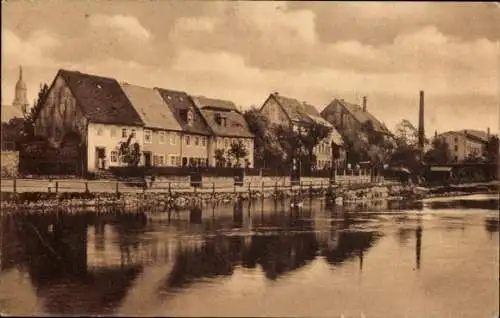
[488,133]
[364,103]
[275,93]
[421,131]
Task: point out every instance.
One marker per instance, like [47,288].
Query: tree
[220,160]
[267,147]
[406,134]
[237,151]
[29,117]
[130,152]
[492,150]
[439,153]
[315,133]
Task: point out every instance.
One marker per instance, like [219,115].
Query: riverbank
[153,201]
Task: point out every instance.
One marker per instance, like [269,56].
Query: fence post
[213,188]
[249,188]
[276,187]
[116,187]
[57,187]
[86,187]
[169,188]
[14,185]
[262,191]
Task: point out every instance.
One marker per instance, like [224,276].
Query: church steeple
[21,93]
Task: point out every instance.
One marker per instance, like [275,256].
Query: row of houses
[174,128]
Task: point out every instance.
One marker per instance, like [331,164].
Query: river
[433,258]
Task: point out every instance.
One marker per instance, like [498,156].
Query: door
[100,154]
[147,158]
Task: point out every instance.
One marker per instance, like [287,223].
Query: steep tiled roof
[152,109]
[476,134]
[296,110]
[236,125]
[101,99]
[306,113]
[211,103]
[363,116]
[180,101]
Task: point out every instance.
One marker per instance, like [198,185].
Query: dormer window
[190,117]
[220,120]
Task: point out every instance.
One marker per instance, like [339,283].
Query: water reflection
[87,263]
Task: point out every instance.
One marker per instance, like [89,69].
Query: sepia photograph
[203,158]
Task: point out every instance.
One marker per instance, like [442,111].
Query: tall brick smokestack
[421,130]
[364,103]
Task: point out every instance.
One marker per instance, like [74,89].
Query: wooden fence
[106,186]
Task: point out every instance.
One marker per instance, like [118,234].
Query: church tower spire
[21,93]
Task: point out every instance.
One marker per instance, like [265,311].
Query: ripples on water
[437,258]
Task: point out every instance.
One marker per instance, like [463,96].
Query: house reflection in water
[66,272]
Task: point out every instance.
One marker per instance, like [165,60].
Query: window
[133,133]
[190,117]
[196,141]
[148,138]
[226,142]
[124,133]
[173,138]
[114,156]
[219,142]
[203,141]
[188,140]
[162,137]
[456,148]
[173,160]
[113,132]
[100,131]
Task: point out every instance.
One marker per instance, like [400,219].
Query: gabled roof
[101,99]
[476,134]
[236,125]
[180,101]
[362,116]
[152,109]
[473,134]
[297,111]
[211,103]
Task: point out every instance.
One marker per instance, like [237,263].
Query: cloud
[125,25]
[244,50]
[379,23]
[32,51]
[188,24]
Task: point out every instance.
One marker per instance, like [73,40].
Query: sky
[243,51]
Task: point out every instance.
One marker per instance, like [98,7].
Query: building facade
[162,133]
[352,122]
[228,126]
[195,132]
[466,143]
[298,116]
[92,114]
